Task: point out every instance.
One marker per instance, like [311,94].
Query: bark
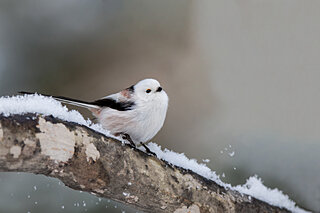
[89,161]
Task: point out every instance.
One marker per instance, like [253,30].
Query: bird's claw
[127,137]
[148,150]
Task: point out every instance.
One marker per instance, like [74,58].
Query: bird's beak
[159,89]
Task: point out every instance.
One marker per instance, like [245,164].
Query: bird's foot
[148,150]
[127,137]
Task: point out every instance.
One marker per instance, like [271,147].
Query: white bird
[138,112]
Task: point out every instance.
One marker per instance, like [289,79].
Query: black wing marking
[111,103]
[106,102]
[131,89]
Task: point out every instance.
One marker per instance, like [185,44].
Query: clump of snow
[179,159]
[253,187]
[39,104]
[206,160]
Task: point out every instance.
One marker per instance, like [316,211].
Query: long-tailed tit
[138,111]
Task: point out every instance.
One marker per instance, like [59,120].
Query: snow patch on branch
[253,187]
[60,146]
[42,105]
[179,159]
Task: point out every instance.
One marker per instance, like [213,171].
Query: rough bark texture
[86,160]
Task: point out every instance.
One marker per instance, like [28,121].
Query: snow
[179,159]
[206,160]
[253,187]
[231,154]
[39,104]
[48,106]
[126,194]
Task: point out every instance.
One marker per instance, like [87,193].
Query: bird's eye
[148,90]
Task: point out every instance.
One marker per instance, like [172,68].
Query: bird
[137,112]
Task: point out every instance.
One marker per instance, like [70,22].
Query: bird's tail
[66,100]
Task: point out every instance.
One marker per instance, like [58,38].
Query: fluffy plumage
[138,111]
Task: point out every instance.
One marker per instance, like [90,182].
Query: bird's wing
[121,101]
[114,104]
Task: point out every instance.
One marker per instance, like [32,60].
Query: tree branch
[86,160]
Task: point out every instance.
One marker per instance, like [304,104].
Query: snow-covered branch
[39,135]
[89,161]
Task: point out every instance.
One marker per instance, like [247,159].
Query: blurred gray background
[242,77]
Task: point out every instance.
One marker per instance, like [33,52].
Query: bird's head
[149,90]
